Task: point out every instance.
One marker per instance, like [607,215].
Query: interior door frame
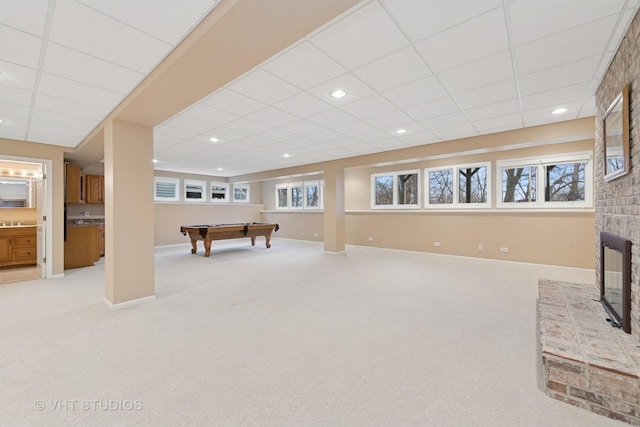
[47,165]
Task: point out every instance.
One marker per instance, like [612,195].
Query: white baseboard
[130,303]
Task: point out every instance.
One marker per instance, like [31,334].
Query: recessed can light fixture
[214,139]
[559,111]
[401,131]
[219,169]
[155,160]
[338,93]
[1,120]
[286,155]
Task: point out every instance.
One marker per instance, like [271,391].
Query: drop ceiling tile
[247,126]
[416,92]
[411,128]
[78,92]
[56,133]
[115,42]
[556,98]
[272,117]
[17,76]
[162,142]
[532,20]
[12,127]
[354,128]
[572,45]
[278,135]
[435,108]
[325,135]
[19,48]
[620,30]
[368,107]
[16,96]
[355,88]
[73,65]
[303,105]
[171,23]
[331,118]
[543,115]
[12,112]
[178,133]
[394,70]
[389,144]
[232,102]
[492,110]
[489,94]
[588,107]
[445,120]
[564,75]
[64,106]
[485,71]
[29,16]
[455,132]
[185,122]
[264,87]
[373,136]
[420,138]
[389,119]
[482,36]
[302,127]
[84,125]
[498,124]
[304,66]
[210,115]
[420,19]
[224,134]
[361,37]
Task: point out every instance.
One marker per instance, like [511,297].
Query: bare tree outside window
[313,196]
[473,184]
[384,190]
[282,197]
[408,189]
[565,182]
[296,197]
[519,184]
[441,187]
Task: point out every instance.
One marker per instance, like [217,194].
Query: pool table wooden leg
[207,247]
[268,240]
[253,241]
[194,247]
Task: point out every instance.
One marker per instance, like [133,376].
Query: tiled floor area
[587,362]
[18,274]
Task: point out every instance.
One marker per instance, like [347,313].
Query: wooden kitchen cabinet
[74,184]
[95,189]
[100,229]
[18,246]
[81,246]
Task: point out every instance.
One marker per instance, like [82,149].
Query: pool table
[208,233]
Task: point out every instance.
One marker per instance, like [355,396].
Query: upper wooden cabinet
[95,189]
[74,184]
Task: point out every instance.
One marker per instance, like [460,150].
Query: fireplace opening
[615,279]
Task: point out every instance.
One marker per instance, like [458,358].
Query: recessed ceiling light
[155,160]
[219,169]
[0,120]
[559,111]
[214,139]
[286,155]
[338,93]
[401,131]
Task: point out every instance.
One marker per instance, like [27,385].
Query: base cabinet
[18,246]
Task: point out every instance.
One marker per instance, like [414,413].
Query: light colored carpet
[288,336]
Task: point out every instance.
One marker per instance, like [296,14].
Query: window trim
[394,185]
[320,184]
[247,186]
[284,186]
[219,184]
[456,187]
[292,185]
[540,162]
[166,180]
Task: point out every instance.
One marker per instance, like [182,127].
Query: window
[241,193]
[458,186]
[297,195]
[558,181]
[395,190]
[166,189]
[219,192]
[313,195]
[194,191]
[282,196]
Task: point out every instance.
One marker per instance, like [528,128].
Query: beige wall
[18,214]
[170,216]
[10,147]
[297,225]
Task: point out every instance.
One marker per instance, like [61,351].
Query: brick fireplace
[586,362]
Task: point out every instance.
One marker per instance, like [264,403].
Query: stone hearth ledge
[587,362]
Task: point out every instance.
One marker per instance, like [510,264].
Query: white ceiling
[441,69]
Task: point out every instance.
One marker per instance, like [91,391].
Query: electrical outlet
[504,249]
[480,247]
[370,238]
[436,244]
